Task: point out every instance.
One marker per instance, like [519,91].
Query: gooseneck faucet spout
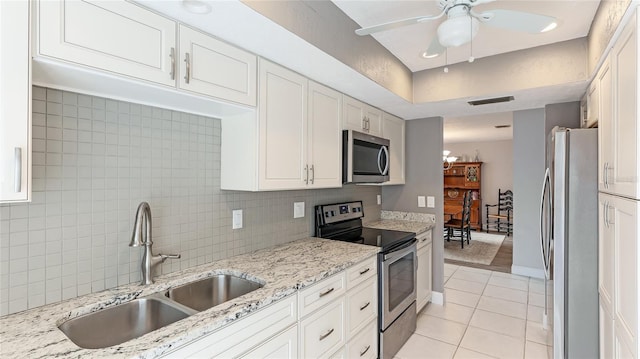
[142,237]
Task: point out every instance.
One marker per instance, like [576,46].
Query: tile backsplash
[94,161]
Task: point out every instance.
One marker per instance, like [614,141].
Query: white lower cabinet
[314,323]
[282,346]
[322,333]
[423,275]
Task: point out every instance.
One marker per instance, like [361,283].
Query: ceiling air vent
[502,126]
[491,100]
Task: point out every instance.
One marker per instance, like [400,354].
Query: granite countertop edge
[400,225]
[284,269]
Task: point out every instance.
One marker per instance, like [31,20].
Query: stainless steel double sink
[123,322]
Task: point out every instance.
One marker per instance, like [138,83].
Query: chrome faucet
[142,237]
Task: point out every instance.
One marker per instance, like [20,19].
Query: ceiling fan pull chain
[446,60]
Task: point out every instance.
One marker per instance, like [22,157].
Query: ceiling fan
[462,23]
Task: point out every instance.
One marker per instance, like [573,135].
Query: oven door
[398,282]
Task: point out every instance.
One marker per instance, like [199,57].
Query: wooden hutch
[461,177]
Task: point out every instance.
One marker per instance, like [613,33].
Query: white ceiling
[479,128]
[407,43]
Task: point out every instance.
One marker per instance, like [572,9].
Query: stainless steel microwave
[365,158]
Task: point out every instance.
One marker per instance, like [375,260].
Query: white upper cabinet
[115,36]
[282,127]
[211,67]
[324,137]
[296,141]
[393,128]
[619,137]
[15,102]
[361,117]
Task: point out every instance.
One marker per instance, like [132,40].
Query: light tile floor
[487,315]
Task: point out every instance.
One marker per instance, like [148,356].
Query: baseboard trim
[527,271]
[437,298]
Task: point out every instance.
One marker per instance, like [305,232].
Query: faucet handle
[164,257]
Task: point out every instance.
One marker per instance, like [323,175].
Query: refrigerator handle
[545,239]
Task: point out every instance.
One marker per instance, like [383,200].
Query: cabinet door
[323,332]
[362,306]
[282,128]
[605,253]
[282,346]
[15,102]
[605,123]
[623,172]
[373,121]
[593,101]
[324,137]
[352,114]
[423,276]
[472,176]
[393,128]
[623,218]
[211,67]
[605,333]
[115,36]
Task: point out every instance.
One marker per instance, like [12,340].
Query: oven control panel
[332,213]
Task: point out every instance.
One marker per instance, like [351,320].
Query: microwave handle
[386,157]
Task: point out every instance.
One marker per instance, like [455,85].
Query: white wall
[497,166]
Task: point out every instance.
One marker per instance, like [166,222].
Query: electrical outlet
[237,219]
[379,199]
[421,202]
[431,201]
[298,209]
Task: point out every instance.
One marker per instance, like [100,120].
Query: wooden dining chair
[461,228]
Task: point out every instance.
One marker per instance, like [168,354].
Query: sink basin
[209,292]
[116,325]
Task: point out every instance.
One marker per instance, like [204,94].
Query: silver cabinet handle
[365,350]
[604,174]
[188,72]
[313,174]
[365,271]
[306,176]
[326,292]
[173,63]
[18,169]
[365,306]
[326,334]
[605,215]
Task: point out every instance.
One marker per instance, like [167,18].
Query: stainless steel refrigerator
[569,239]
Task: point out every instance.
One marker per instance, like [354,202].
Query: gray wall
[530,128]
[423,177]
[528,172]
[94,161]
[497,166]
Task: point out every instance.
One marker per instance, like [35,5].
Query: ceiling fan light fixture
[427,55]
[457,30]
[550,27]
[196,6]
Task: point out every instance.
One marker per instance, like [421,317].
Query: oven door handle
[401,251]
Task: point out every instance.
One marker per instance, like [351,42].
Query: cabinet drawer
[322,333]
[424,238]
[282,346]
[362,305]
[362,271]
[243,334]
[340,354]
[321,293]
[364,344]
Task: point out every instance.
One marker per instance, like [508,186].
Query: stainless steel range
[397,264]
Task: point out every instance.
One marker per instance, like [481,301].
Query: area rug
[482,248]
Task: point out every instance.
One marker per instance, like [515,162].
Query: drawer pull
[365,306]
[365,350]
[326,334]
[365,271]
[326,292]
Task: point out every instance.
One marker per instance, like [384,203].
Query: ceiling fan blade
[516,20]
[435,48]
[479,2]
[395,24]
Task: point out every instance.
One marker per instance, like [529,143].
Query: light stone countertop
[400,225]
[284,269]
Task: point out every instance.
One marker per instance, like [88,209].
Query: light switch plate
[379,199]
[298,209]
[421,201]
[431,201]
[237,219]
